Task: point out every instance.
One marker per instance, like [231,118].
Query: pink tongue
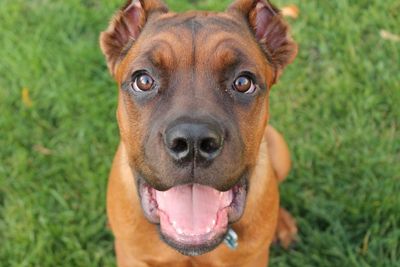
[192,209]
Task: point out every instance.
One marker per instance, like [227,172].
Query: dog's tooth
[179,231]
[174,223]
[208,229]
[213,222]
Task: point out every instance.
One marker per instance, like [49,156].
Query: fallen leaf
[389,36]
[291,11]
[26,99]
[42,150]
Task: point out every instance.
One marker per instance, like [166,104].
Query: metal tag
[231,239]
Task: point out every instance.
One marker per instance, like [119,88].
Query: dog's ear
[125,28]
[270,30]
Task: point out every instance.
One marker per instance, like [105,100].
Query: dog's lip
[150,208]
[189,244]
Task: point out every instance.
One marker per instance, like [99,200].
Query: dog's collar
[231,239]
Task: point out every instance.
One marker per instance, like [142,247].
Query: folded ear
[125,28]
[270,30]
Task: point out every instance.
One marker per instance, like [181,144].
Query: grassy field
[338,106]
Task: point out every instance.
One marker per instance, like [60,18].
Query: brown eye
[244,84]
[142,83]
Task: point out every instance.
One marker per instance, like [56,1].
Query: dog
[194,181]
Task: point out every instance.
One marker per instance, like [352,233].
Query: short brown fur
[191,52]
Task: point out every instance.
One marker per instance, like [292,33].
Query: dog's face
[193,106]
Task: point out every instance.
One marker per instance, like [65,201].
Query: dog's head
[193,107]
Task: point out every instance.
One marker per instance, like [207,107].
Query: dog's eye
[142,83]
[244,84]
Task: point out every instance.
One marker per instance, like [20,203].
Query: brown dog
[196,159]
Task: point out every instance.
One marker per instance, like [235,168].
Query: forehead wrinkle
[224,49]
[225,59]
[161,50]
[180,42]
[161,54]
[155,54]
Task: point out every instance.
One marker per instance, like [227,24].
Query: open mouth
[193,218]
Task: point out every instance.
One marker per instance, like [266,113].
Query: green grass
[338,106]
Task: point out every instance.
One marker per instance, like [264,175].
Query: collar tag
[231,239]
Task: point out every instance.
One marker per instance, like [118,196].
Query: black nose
[193,141]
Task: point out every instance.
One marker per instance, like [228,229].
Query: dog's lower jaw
[188,250]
